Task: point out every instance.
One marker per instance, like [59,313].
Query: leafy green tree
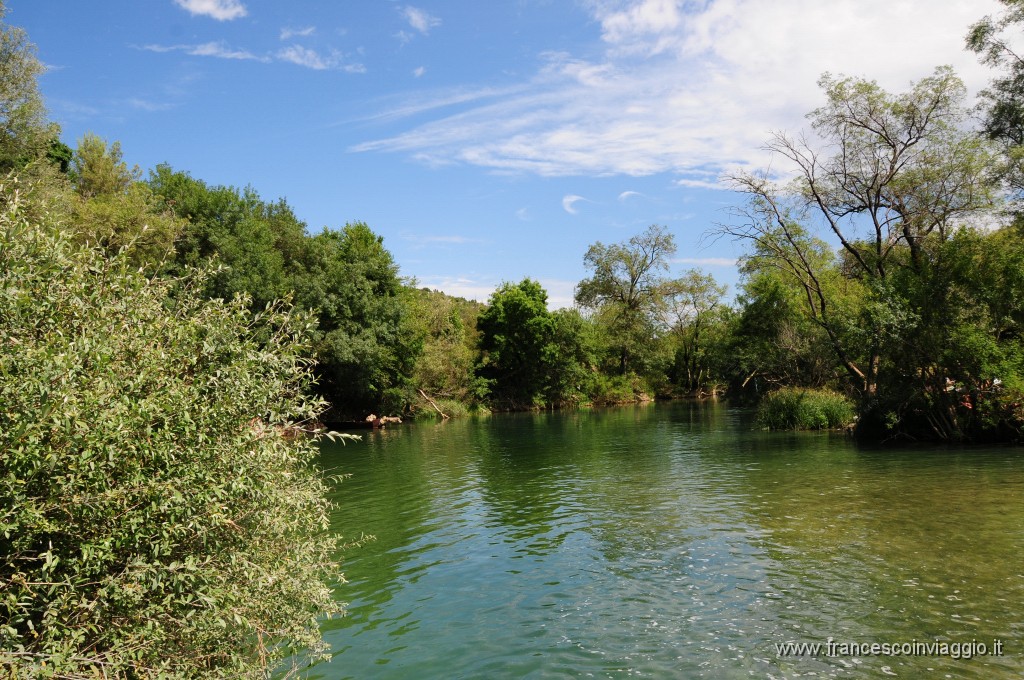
[966,375]
[694,312]
[112,209]
[25,134]
[515,342]
[447,325]
[773,342]
[156,518]
[992,39]
[903,175]
[571,359]
[99,170]
[366,342]
[260,244]
[627,291]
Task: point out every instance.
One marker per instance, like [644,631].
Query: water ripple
[668,541]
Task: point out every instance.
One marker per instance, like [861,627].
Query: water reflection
[668,541]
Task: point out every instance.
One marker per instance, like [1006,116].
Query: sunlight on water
[671,540]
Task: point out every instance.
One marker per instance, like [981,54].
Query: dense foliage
[796,408]
[158,515]
[155,515]
[516,332]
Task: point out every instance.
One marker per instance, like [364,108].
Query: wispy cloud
[73,109]
[569,202]
[424,103]
[148,105]
[697,183]
[333,61]
[210,49]
[289,33]
[692,88]
[419,19]
[419,71]
[220,51]
[295,54]
[221,10]
[304,56]
[625,195]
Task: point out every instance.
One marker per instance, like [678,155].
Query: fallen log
[444,416]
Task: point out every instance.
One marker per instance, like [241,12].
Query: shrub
[155,517]
[794,408]
[619,389]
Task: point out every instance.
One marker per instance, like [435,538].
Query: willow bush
[795,408]
[156,517]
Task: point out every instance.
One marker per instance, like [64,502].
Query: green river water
[670,541]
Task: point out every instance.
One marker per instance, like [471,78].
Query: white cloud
[419,71]
[650,24]
[569,203]
[289,33]
[460,286]
[221,10]
[148,105]
[419,19]
[692,88]
[561,293]
[210,49]
[422,104]
[295,54]
[213,49]
[303,56]
[74,109]
[625,195]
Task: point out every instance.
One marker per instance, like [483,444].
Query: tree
[98,169]
[897,175]
[259,244]
[571,359]
[366,342]
[447,325]
[112,209]
[1004,98]
[987,38]
[157,518]
[773,342]
[628,291]
[25,134]
[515,342]
[693,309]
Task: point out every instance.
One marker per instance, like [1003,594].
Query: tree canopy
[628,289]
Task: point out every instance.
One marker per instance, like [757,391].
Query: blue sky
[485,141]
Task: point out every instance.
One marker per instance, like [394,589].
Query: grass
[794,408]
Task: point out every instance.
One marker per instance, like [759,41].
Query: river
[672,541]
